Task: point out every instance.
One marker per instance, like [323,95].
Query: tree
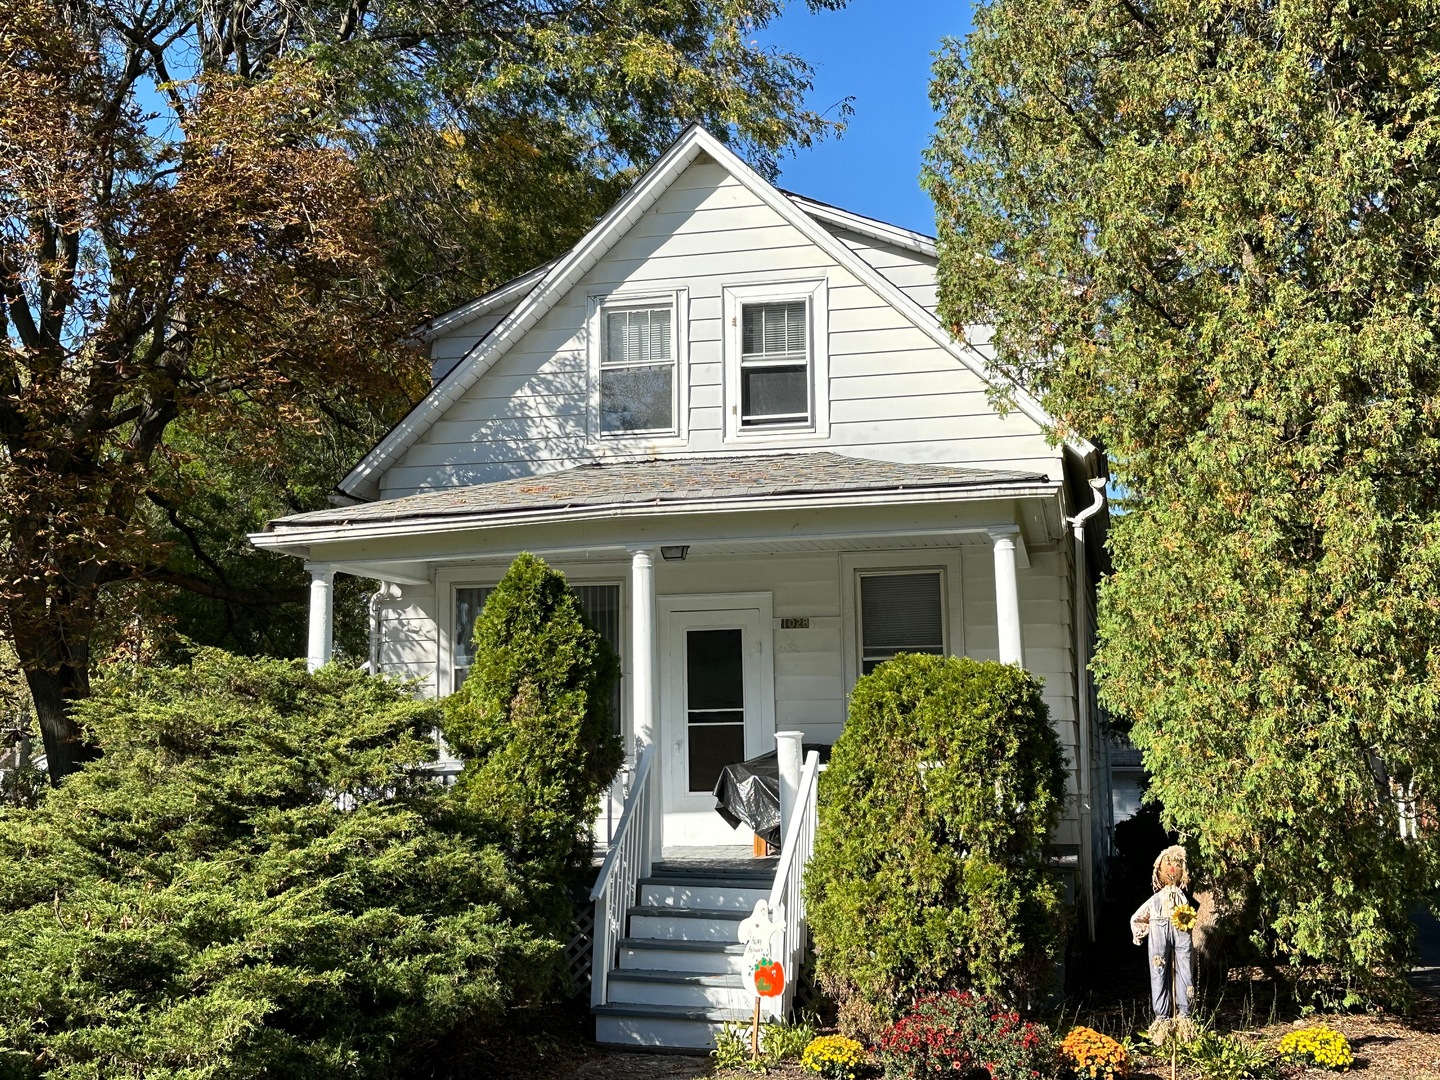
[189,264]
[1206,236]
[935,820]
[222,276]
[532,721]
[259,877]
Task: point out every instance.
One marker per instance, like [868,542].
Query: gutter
[1082,699]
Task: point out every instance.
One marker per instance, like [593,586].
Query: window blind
[637,336]
[900,613]
[773,329]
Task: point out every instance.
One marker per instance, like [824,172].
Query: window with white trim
[601,604]
[776,362]
[775,376]
[900,612]
[637,369]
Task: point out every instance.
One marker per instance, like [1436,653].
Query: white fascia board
[509,293]
[875,229]
[322,534]
[561,276]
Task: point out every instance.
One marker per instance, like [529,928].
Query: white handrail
[625,863]
[795,851]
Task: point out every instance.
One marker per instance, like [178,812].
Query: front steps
[679,974]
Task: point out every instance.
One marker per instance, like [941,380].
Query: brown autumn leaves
[218,276]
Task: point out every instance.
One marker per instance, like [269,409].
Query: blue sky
[878,52]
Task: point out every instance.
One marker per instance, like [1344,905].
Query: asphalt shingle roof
[663,481]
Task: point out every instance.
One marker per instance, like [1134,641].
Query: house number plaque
[794,624]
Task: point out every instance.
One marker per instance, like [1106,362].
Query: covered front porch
[744,601]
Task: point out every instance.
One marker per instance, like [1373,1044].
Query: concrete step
[671,1026]
[699,892]
[686,924]
[721,991]
[693,957]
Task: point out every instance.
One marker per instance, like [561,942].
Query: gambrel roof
[534,294]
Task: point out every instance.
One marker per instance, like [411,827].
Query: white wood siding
[894,394]
[408,637]
[450,348]
[911,272]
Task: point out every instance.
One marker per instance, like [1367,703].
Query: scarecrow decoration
[1167,919]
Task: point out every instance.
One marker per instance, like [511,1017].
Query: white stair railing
[797,845]
[627,861]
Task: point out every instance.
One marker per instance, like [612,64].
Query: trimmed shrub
[935,815]
[964,1036]
[258,877]
[532,722]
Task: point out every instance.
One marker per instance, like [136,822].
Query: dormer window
[775,381]
[636,360]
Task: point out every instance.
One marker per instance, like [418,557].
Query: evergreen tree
[1207,234]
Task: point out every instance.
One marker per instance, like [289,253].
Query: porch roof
[661,482]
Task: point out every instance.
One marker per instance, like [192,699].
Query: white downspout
[1082,700]
[377,598]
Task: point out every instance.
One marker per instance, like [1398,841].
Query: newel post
[789,749]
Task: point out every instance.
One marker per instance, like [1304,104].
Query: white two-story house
[732,418]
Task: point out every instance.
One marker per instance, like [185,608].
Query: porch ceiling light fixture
[674,552]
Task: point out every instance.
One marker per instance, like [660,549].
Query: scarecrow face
[1171,873]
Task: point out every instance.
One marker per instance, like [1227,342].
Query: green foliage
[935,815]
[259,877]
[532,722]
[1227,1057]
[1205,234]
[779,1042]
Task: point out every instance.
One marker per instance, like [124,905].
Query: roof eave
[279,536]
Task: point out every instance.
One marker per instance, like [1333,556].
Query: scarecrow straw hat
[1172,856]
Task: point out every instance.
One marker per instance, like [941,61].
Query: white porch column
[322,614]
[644,666]
[1007,595]
[788,749]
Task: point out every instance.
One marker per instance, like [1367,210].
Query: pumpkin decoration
[769,978]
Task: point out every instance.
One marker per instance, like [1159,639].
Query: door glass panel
[714,704]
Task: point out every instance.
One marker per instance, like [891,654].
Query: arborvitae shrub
[532,722]
[259,877]
[935,816]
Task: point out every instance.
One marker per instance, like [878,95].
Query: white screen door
[717,708]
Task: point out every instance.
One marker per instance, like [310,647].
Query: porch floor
[718,859]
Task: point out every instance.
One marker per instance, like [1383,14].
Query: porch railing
[797,846]
[625,863]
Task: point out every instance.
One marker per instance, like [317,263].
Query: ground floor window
[601,604]
[900,611]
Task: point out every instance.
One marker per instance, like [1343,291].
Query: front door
[717,698]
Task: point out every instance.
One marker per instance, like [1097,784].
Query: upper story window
[776,361]
[775,378]
[637,371]
[637,361]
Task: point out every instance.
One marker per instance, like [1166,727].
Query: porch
[744,599]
